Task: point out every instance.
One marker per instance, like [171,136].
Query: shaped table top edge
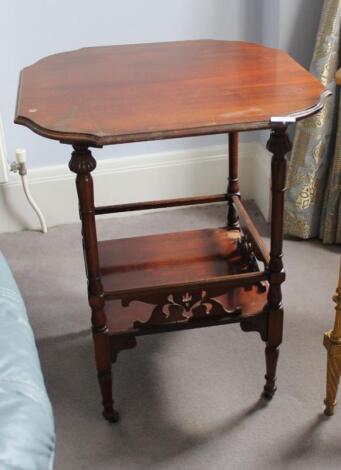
[97,140]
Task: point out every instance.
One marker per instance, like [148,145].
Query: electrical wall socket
[3,156]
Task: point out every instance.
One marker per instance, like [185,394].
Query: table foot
[329,409]
[268,393]
[271,356]
[111,415]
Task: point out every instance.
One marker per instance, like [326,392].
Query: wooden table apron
[190,279]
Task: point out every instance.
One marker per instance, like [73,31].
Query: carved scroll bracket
[249,257]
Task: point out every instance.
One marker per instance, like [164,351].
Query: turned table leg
[279,145]
[332,342]
[233,184]
[82,163]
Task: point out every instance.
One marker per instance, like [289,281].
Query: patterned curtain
[313,206]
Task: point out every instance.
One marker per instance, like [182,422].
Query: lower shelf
[151,261]
[155,264]
[122,320]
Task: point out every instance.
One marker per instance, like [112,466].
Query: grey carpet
[188,400]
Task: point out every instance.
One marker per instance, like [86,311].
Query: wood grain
[114,94]
[154,260]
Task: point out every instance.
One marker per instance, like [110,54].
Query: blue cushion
[26,421]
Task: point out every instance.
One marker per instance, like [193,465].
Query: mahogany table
[118,94]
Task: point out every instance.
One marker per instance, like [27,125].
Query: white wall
[292,25]
[271,22]
[182,173]
[298,27]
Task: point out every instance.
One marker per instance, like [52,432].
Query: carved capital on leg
[82,162]
[279,143]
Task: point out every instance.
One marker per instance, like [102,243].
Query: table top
[130,93]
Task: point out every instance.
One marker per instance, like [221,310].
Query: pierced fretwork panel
[187,307]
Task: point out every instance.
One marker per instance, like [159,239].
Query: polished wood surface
[150,263]
[233,181]
[147,205]
[113,94]
[279,145]
[82,163]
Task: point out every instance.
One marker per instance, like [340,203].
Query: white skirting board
[139,178]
